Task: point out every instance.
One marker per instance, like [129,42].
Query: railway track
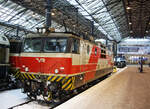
[20,104]
[40,103]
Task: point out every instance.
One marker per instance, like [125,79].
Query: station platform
[127,89]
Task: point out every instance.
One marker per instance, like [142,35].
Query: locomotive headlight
[26,69]
[56,70]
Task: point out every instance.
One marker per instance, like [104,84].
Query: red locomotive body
[61,62]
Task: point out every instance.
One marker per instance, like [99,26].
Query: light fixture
[146,31]
[131,31]
[130,23]
[52,14]
[128,7]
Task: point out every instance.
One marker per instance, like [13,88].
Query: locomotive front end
[45,63]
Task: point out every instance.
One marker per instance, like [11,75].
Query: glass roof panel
[96,10]
[17,15]
[99,11]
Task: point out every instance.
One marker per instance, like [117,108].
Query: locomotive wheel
[31,96]
[48,98]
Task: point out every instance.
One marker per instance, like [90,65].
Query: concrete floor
[128,89]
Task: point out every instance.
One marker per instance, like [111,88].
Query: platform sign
[134,50]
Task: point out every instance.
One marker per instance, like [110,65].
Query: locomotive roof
[4,40]
[51,35]
[59,34]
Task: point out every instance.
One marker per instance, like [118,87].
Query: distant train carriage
[4,58]
[60,62]
[15,49]
[120,61]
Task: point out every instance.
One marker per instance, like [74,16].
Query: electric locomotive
[54,64]
[4,60]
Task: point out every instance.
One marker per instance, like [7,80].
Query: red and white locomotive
[56,63]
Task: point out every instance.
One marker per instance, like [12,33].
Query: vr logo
[40,60]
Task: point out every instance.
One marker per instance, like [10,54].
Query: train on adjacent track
[15,49]
[4,60]
[54,64]
[120,61]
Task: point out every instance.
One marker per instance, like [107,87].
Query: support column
[92,28]
[17,31]
[48,13]
[106,42]
[115,48]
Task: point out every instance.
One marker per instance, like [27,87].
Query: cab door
[75,52]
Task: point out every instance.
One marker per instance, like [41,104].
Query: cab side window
[75,45]
[88,49]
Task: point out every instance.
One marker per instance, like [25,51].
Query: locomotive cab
[48,54]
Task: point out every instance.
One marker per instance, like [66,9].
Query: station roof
[138,16]
[113,19]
